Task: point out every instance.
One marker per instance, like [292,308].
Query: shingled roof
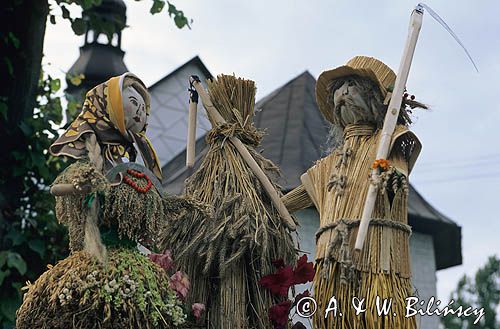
[295,136]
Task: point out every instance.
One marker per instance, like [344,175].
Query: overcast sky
[271,42]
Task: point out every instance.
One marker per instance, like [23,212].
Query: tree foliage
[482,290]
[31,113]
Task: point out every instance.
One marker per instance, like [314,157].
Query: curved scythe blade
[447,28]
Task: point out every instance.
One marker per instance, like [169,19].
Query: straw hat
[363,66]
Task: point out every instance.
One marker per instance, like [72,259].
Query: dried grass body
[136,216]
[129,291]
[226,255]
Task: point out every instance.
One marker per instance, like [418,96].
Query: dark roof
[295,135]
[295,128]
[195,61]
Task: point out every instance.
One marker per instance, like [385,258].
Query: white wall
[169,114]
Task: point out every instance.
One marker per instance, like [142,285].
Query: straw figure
[106,282]
[353,98]
[227,255]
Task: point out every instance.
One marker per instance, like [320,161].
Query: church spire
[101,56]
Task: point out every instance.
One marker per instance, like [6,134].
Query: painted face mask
[116,112]
[134,108]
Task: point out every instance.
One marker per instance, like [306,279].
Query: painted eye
[133,101]
[351,83]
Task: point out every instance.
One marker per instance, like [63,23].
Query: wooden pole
[191,138]
[68,189]
[390,121]
[245,154]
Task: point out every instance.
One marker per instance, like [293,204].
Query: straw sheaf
[363,66]
[226,254]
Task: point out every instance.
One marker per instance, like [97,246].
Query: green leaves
[479,291]
[78,25]
[179,18]
[76,79]
[38,246]
[14,40]
[65,12]
[55,84]
[3,275]
[14,260]
[157,6]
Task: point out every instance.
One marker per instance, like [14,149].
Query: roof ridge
[195,60]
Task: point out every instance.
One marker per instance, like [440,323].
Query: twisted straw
[92,242]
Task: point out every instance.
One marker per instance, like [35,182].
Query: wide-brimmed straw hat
[362,66]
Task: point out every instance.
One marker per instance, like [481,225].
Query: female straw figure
[352,98]
[106,282]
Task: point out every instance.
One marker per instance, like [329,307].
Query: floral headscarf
[102,114]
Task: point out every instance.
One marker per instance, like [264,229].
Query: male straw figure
[351,97]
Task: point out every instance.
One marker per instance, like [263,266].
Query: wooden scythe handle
[191,138]
[245,154]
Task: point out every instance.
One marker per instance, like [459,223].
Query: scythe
[392,114]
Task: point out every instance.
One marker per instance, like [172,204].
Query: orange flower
[383,164]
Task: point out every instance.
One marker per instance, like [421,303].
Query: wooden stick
[191,138]
[68,189]
[390,121]
[256,169]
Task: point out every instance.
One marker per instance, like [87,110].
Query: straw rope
[92,241]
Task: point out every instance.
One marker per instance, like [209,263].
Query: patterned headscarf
[102,114]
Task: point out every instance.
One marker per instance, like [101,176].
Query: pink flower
[278,314]
[304,272]
[164,260]
[278,282]
[180,283]
[197,309]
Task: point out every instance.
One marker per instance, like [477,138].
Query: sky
[271,42]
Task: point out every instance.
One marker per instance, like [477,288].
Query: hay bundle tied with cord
[227,254]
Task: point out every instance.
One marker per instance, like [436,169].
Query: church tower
[101,56]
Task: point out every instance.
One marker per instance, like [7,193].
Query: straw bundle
[383,268]
[129,291]
[230,252]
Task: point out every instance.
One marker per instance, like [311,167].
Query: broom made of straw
[245,154]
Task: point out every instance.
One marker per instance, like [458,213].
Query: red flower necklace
[133,184]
